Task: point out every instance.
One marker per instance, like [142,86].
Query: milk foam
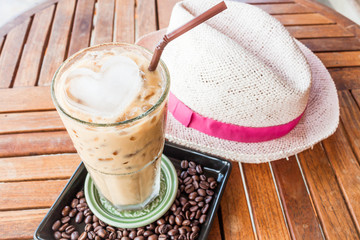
[107,87]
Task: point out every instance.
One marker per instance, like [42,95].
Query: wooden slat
[234,210]
[285,8]
[332,44]
[25,99]
[35,144]
[44,167]
[297,206]
[340,59]
[30,122]
[164,8]
[34,48]
[125,21]
[56,49]
[104,26]
[302,19]
[326,194]
[20,224]
[268,217]
[31,194]
[350,116]
[80,36]
[11,52]
[346,78]
[215,233]
[318,31]
[145,18]
[347,170]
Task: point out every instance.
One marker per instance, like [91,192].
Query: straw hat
[243,89]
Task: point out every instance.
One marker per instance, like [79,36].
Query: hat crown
[241,67]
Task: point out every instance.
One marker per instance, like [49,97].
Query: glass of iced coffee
[114,110]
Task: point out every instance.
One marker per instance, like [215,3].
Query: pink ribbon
[228,131]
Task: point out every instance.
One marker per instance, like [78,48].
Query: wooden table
[313,195]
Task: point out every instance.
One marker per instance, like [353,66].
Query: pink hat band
[227,131]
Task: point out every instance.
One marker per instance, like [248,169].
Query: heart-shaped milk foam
[108,92]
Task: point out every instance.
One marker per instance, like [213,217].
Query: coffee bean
[63,227]
[160,221]
[187,214]
[182,237]
[194,208]
[192,203]
[211,179]
[171,219]
[125,238]
[204,185]
[163,229]
[65,211]
[141,232]
[73,213]
[70,229]
[87,212]
[88,227]
[151,226]
[189,188]
[195,178]
[187,228]
[205,208]
[201,204]
[193,195]
[91,235]
[199,199]
[162,237]
[153,237]
[56,225]
[157,230]
[148,233]
[80,194]
[57,235]
[210,192]
[102,223]
[139,238]
[192,164]
[213,184]
[82,200]
[173,207]
[65,235]
[196,184]
[188,180]
[202,218]
[110,229]
[191,171]
[201,192]
[199,169]
[97,238]
[202,178]
[192,215]
[184,164]
[195,229]
[88,219]
[96,229]
[179,220]
[173,232]
[132,234]
[74,203]
[184,174]
[198,214]
[65,219]
[208,199]
[81,207]
[101,233]
[74,235]
[186,206]
[79,217]
[95,224]
[194,235]
[83,236]
[186,222]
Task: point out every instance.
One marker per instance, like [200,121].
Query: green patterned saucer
[107,213]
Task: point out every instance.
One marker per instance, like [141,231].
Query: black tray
[215,167]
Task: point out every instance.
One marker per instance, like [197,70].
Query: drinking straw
[218,8]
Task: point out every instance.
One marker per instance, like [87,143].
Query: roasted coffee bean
[178,220]
[193,195]
[189,188]
[199,199]
[208,199]
[163,229]
[198,214]
[153,237]
[148,233]
[192,164]
[140,232]
[187,228]
[184,164]
[186,222]
[195,229]
[80,194]
[82,200]
[83,236]
[132,234]
[65,235]
[199,169]
[88,227]
[73,213]
[98,228]
[194,208]
[211,179]
[66,211]
[192,215]
[195,223]
[183,201]
[184,174]
[81,207]
[88,219]
[201,192]
[173,207]
[56,225]
[194,235]
[188,180]
[91,235]
[102,223]
[202,219]
[182,237]
[74,203]
[213,184]
[210,192]
[205,208]
[57,235]
[195,178]
[151,226]
[182,187]
[161,221]
[166,218]
[65,219]
[95,224]
[173,232]
[186,206]
[204,185]
[162,237]
[193,203]
[79,217]
[101,233]
[97,238]
[187,214]
[110,229]
[87,212]
[70,229]
[125,238]
[196,184]
[178,211]
[191,171]
[202,178]
[171,219]
[95,218]
[201,204]
[63,227]
[157,230]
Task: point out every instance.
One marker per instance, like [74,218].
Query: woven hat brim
[319,121]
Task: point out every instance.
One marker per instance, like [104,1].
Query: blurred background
[9,9]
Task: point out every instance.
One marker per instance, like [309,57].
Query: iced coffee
[114,110]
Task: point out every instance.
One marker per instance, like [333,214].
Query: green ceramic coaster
[107,213]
